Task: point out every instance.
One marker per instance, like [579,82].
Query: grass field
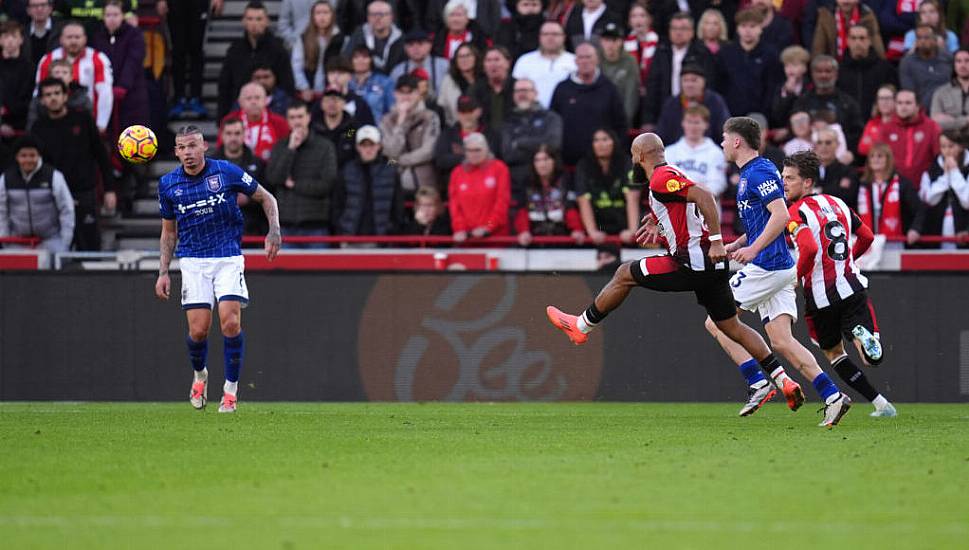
[588,475]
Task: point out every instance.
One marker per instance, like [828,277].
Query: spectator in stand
[125,47]
[711,30]
[950,103]
[457,29]
[494,92]
[302,169]
[424,93]
[35,200]
[925,68]
[337,125]
[824,119]
[90,13]
[696,154]
[372,202]
[417,46]
[862,71]
[338,75]
[587,21]
[671,56]
[486,14]
[410,131]
[92,67]
[587,100]
[430,216]
[621,69]
[945,193]
[278,98]
[257,46]
[607,202]
[930,13]
[381,35]
[521,34]
[693,91]
[550,208]
[831,33]
[72,144]
[187,20]
[749,68]
[887,202]
[776,31]
[837,179]
[295,16]
[827,97]
[882,112]
[234,149]
[549,65]
[43,29]
[376,89]
[913,137]
[449,151]
[796,83]
[801,131]
[263,127]
[320,42]
[16,79]
[77,98]
[642,40]
[479,193]
[529,128]
[465,71]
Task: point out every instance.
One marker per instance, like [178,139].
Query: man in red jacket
[912,136]
[479,192]
[263,128]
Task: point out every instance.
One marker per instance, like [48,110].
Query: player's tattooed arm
[271,209]
[166,245]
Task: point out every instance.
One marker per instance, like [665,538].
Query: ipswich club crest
[213,183]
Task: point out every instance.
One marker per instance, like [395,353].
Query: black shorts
[831,325]
[712,288]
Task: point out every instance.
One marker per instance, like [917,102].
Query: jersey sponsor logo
[743,205]
[213,183]
[209,202]
[246,178]
[768,187]
[673,185]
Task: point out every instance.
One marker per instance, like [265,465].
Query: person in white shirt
[549,64]
[698,156]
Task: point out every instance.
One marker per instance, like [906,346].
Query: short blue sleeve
[239,180]
[165,205]
[768,186]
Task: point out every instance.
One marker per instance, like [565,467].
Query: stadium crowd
[474,118]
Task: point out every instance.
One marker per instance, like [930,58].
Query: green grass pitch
[589,475]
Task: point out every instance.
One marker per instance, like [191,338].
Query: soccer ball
[137,144]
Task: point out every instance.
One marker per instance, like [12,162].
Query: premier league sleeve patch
[213,183]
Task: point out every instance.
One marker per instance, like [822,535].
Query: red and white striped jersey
[834,276]
[684,230]
[93,71]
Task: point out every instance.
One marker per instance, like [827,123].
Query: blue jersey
[760,184]
[204,208]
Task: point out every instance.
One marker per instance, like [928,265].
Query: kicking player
[696,261]
[765,285]
[199,212]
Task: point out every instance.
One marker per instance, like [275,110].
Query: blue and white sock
[826,389]
[233,351]
[198,353]
[751,372]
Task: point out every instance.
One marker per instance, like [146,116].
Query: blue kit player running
[200,214]
[765,285]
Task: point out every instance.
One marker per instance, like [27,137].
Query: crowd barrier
[433,336]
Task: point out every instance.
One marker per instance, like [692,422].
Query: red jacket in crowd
[261,134]
[914,143]
[479,196]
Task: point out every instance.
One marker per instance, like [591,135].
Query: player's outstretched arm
[707,204]
[166,245]
[269,206]
[779,216]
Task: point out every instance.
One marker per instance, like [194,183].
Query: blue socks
[233,351]
[197,353]
[825,387]
[751,371]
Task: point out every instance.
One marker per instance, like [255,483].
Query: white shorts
[205,280]
[767,293]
